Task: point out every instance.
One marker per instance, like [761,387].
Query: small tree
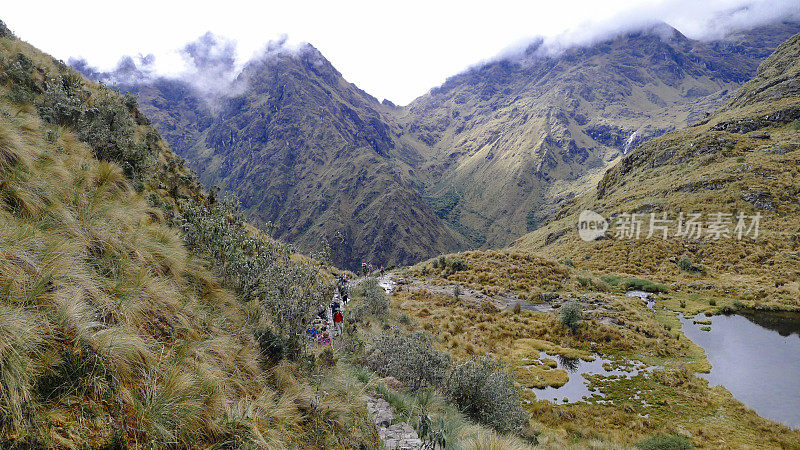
[376,302]
[485,392]
[571,315]
[686,264]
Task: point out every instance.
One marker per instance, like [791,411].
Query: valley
[583,246]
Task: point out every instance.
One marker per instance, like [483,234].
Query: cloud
[702,20]
[210,63]
[129,70]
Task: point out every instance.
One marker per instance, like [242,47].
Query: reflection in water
[757,358]
[784,322]
[568,364]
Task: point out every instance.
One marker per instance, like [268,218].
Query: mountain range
[477,162]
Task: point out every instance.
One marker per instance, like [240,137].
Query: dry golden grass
[111,331]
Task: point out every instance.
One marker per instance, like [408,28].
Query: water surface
[756,356]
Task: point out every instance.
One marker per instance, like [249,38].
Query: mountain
[507,142]
[477,162]
[744,160]
[308,153]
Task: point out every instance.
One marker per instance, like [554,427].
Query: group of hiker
[367,268]
[319,333]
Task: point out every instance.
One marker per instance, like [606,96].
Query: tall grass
[112,331]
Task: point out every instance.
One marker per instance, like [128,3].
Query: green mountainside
[308,153]
[479,161]
[508,141]
[742,159]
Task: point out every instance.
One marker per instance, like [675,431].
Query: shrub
[288,293]
[458,264]
[665,442]
[485,392]
[404,319]
[687,265]
[457,292]
[638,284]
[571,315]
[568,262]
[410,358]
[585,282]
[376,302]
[611,280]
[517,308]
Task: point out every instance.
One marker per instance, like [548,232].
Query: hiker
[312,334]
[370,268]
[345,299]
[381,270]
[334,305]
[323,337]
[364,269]
[337,323]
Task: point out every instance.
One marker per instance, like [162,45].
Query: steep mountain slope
[308,152]
[508,141]
[479,161]
[118,329]
[741,160]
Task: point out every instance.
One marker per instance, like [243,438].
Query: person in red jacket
[337,322]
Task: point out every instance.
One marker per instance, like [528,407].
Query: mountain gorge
[310,153]
[479,161]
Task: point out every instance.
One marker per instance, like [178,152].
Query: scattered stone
[758,135]
[549,296]
[759,199]
[401,436]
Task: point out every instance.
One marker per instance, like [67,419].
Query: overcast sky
[396,50]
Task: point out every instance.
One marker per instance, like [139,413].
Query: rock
[758,135]
[759,199]
[549,296]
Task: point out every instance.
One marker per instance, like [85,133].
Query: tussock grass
[111,331]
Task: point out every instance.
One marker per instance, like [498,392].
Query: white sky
[396,50]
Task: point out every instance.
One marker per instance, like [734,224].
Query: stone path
[401,436]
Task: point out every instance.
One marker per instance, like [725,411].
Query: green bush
[611,280]
[485,392]
[665,442]
[288,293]
[375,301]
[410,358]
[638,284]
[571,315]
[687,265]
[568,262]
[458,264]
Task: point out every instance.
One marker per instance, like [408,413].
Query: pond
[756,356]
[578,386]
